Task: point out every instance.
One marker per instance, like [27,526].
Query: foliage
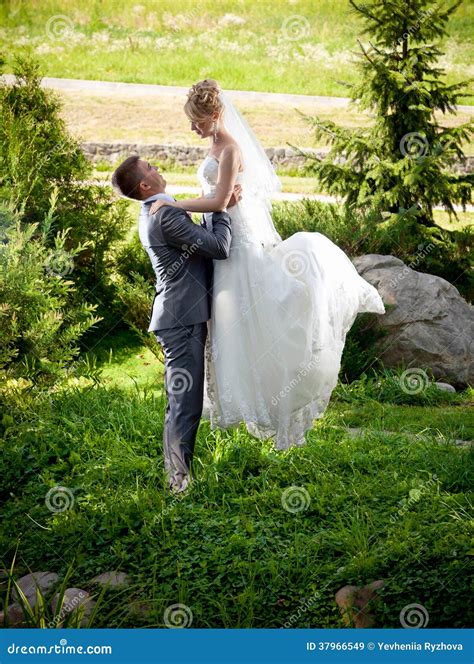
[263,46]
[403,162]
[41,317]
[244,560]
[38,157]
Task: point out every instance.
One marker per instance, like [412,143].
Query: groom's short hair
[127,177]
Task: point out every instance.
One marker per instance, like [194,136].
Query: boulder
[74,599]
[43,581]
[112,579]
[428,324]
[12,617]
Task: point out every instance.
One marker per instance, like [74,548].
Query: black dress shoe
[179,483]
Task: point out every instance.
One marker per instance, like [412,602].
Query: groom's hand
[236,196]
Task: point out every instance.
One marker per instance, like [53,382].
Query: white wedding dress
[280,314]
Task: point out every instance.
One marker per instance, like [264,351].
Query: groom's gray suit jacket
[181,254]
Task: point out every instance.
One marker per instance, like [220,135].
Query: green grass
[377,506]
[244,45]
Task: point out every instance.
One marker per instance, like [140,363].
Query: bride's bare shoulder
[231,152]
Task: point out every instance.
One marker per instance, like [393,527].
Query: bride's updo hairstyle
[203,100]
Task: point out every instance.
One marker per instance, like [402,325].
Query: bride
[280,309]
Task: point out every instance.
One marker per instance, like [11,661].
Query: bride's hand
[236,196]
[157,205]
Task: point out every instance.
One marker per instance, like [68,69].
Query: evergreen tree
[402,165]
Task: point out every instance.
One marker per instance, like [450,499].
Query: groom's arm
[178,230]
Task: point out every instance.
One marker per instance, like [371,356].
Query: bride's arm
[229,164]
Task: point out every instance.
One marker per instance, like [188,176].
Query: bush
[41,317]
[39,157]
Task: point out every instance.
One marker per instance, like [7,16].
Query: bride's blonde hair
[203,100]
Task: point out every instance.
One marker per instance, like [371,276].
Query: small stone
[112,579]
[353,602]
[14,616]
[140,609]
[73,599]
[446,387]
[28,584]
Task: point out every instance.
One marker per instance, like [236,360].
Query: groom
[181,254]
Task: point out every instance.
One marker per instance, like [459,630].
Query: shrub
[41,317]
[404,159]
[39,157]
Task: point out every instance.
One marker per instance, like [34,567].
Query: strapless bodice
[207,174]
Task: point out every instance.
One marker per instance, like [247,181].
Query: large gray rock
[112,579]
[43,581]
[74,600]
[428,324]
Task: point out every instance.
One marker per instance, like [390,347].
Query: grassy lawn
[377,506]
[302,47]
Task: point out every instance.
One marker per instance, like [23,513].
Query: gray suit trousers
[183,348]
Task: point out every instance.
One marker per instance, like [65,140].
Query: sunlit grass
[391,506]
[304,47]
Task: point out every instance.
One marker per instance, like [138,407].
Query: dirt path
[140,90]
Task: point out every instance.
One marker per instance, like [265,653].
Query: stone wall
[186,155]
